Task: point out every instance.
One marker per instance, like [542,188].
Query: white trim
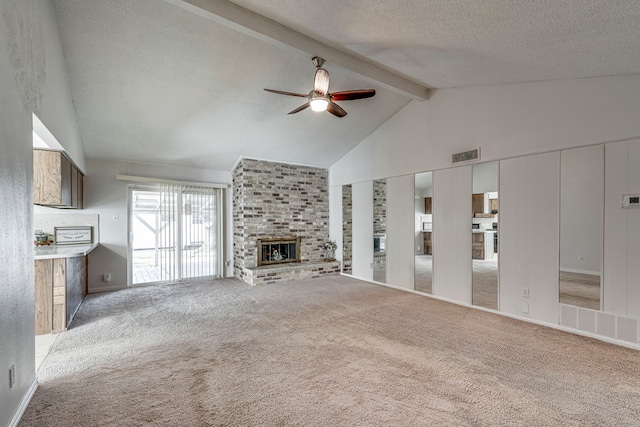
[107,289]
[575,270]
[150,180]
[26,399]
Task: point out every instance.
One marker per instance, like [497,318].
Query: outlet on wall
[106,277]
[525,292]
[525,307]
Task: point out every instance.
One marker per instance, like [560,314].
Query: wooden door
[59,295]
[43,296]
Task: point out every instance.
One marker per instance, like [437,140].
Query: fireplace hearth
[278,250]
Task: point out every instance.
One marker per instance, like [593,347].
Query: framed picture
[73,235]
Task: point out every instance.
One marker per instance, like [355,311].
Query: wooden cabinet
[56,181]
[427,205]
[477,246]
[477,203]
[428,246]
[60,287]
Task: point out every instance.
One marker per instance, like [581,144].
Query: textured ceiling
[156,83]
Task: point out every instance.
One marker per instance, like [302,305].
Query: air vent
[631,200]
[466,156]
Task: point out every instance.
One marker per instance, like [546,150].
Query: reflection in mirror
[484,235]
[347,230]
[380,230]
[423,228]
[581,219]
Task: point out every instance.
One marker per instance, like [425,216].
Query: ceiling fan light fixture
[319,103]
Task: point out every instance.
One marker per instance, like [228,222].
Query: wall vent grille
[466,156]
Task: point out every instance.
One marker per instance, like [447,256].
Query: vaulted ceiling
[181,82]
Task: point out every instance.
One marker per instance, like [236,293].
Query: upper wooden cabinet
[477,203]
[427,205]
[56,181]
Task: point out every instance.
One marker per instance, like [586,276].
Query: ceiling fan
[320,99]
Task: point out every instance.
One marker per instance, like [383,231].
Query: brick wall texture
[278,200]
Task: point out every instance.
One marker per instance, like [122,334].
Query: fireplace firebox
[278,250]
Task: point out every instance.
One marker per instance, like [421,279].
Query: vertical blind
[179,225]
[188,236]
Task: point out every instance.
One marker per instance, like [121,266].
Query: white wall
[524,126]
[362,199]
[622,230]
[107,197]
[32,80]
[452,234]
[528,246]
[400,231]
[485,177]
[506,121]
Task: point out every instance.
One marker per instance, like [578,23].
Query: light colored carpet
[423,280]
[578,289]
[485,280]
[485,283]
[327,352]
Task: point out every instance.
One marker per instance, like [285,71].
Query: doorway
[174,233]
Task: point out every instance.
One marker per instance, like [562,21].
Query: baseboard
[17,416]
[575,270]
[106,289]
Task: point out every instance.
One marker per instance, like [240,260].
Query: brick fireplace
[276,201]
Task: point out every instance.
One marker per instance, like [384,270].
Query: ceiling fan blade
[281,92]
[321,81]
[300,108]
[349,95]
[336,110]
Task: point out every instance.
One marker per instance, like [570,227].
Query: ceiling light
[319,103]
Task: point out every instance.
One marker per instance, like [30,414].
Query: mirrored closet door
[423,229]
[484,235]
[581,226]
[347,230]
[380,230]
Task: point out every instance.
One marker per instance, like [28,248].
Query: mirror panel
[581,222]
[423,246]
[380,230]
[347,230]
[484,235]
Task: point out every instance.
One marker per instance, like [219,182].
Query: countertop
[63,251]
[488,230]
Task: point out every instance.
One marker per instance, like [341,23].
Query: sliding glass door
[174,233]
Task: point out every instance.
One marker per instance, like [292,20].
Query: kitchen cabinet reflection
[484,235]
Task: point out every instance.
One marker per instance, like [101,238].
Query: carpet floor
[326,352]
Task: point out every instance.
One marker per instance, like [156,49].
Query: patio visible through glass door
[174,233]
